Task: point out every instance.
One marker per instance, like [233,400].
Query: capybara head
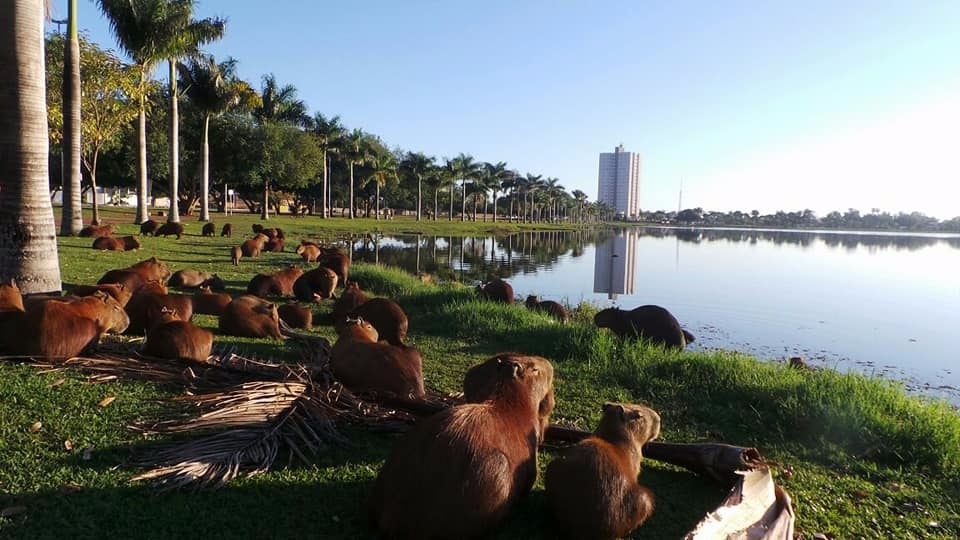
[497,290]
[482,381]
[148,227]
[130,243]
[357,329]
[386,316]
[636,423]
[214,282]
[118,291]
[532,300]
[227,230]
[152,268]
[10,297]
[249,316]
[608,318]
[257,228]
[315,285]
[111,315]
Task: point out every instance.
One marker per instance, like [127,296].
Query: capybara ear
[614,408]
[509,368]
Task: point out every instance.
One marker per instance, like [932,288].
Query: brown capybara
[497,290]
[551,308]
[360,363]
[236,252]
[351,298]
[95,231]
[249,316]
[592,490]
[315,285]
[257,228]
[176,339]
[145,309]
[652,323]
[10,297]
[296,316]
[273,233]
[193,279]
[337,261]
[253,246]
[308,252]
[480,383]
[227,230]
[459,472]
[386,316]
[279,283]
[207,302]
[111,243]
[170,228]
[117,290]
[209,229]
[149,227]
[11,312]
[62,327]
[274,245]
[133,277]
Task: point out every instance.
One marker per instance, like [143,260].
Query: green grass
[866,460]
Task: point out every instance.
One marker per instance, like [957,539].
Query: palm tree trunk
[463,209]
[28,233]
[71,220]
[378,201]
[485,202]
[419,195]
[436,199]
[205,172]
[452,189]
[143,212]
[494,207]
[326,176]
[351,189]
[174,214]
[265,207]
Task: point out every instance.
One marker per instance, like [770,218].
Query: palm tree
[151,31]
[213,89]
[495,175]
[71,219]
[280,104]
[355,151]
[467,169]
[384,168]
[417,165]
[581,199]
[553,191]
[28,254]
[448,179]
[329,133]
[530,186]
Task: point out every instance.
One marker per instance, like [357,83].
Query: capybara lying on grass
[149,227]
[133,277]
[480,383]
[497,290]
[554,309]
[360,363]
[145,309]
[207,302]
[209,229]
[386,316]
[193,279]
[111,243]
[227,230]
[315,285]
[459,472]
[95,231]
[117,290]
[249,316]
[337,261]
[351,298]
[296,316]
[170,228]
[279,283]
[652,323]
[274,245]
[174,338]
[592,489]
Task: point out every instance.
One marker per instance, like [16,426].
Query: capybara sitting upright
[554,309]
[351,298]
[227,230]
[193,279]
[652,323]
[296,316]
[236,252]
[170,228]
[148,227]
[497,290]
[253,246]
[480,383]
[386,316]
[249,316]
[592,489]
[459,472]
[207,302]
[361,363]
[308,251]
[337,261]
[279,283]
[315,285]
[173,338]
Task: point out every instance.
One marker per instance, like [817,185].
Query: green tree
[417,165]
[494,174]
[465,169]
[330,134]
[280,104]
[28,234]
[384,169]
[356,151]
[288,159]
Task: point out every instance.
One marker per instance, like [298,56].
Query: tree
[466,169]
[355,152]
[28,242]
[329,133]
[384,168]
[280,104]
[71,219]
[288,159]
[529,187]
[494,176]
[581,198]
[417,165]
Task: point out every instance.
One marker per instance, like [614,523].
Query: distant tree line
[805,219]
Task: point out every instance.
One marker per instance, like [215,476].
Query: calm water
[884,304]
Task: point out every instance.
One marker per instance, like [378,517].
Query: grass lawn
[859,458]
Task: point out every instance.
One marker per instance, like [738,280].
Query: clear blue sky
[822,104]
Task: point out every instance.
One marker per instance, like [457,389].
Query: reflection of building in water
[615,265]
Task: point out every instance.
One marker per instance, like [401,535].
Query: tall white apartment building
[619,182]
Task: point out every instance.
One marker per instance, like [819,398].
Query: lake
[885,304]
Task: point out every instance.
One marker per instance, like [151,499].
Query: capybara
[458,473]
[279,283]
[111,243]
[149,227]
[11,311]
[592,490]
[274,245]
[133,277]
[249,316]
[351,298]
[207,302]
[195,278]
[652,323]
[308,252]
[386,316]
[227,230]
[337,261]
[95,231]
[480,383]
[315,285]
[273,233]
[170,228]
[551,308]
[10,297]
[235,253]
[257,228]
[174,338]
[145,308]
[360,363]
[296,316]
[253,246]
[497,290]
[62,327]
[117,290]
[209,229]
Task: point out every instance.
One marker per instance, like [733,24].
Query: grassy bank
[859,457]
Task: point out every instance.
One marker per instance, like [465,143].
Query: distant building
[615,265]
[619,182]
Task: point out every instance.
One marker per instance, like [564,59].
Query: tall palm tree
[71,219]
[495,174]
[28,253]
[151,31]
[213,89]
[384,168]
[355,151]
[581,198]
[530,186]
[448,179]
[466,169]
[417,165]
[329,134]
[281,104]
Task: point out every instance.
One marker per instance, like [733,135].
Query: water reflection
[615,264]
[804,239]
